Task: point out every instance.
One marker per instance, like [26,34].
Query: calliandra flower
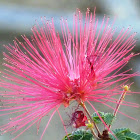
[46,72]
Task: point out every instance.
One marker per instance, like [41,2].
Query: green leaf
[79,134]
[108,118]
[132,136]
[121,130]
[96,118]
[124,134]
[129,138]
[119,133]
[112,137]
[66,138]
[119,136]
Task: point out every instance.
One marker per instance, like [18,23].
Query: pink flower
[44,73]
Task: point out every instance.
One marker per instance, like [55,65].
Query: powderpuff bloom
[46,71]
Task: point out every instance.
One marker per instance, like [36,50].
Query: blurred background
[18,16]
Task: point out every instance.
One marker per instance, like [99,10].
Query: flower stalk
[121,99]
[91,120]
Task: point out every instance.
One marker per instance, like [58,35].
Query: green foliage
[120,133]
[79,134]
[66,137]
[121,130]
[107,117]
[96,118]
[124,134]
[132,136]
[120,136]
